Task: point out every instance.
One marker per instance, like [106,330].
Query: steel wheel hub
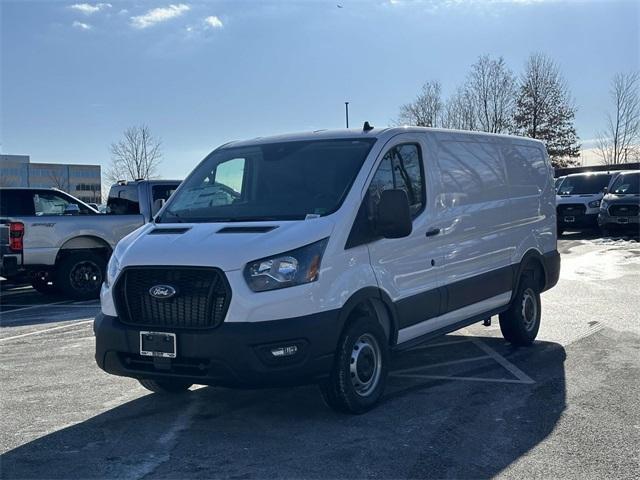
[366,364]
[529,309]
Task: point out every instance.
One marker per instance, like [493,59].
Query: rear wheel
[521,322]
[42,283]
[80,275]
[165,386]
[359,374]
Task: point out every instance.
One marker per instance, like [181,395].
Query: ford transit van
[309,258]
[578,200]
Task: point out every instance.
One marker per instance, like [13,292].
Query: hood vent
[253,229]
[168,231]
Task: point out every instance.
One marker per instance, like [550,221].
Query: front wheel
[165,386]
[360,368]
[521,322]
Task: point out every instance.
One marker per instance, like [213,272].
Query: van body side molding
[452,317]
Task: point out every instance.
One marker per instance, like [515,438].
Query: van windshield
[627,183]
[276,181]
[584,184]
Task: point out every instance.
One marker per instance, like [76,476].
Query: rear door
[407,268]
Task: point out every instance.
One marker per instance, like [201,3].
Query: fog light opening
[285,351]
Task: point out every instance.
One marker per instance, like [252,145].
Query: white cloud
[158,15]
[124,11]
[213,22]
[82,26]
[89,9]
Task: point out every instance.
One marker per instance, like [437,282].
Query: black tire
[43,285]
[605,232]
[80,275]
[520,324]
[165,386]
[360,369]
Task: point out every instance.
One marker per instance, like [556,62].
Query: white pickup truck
[61,244]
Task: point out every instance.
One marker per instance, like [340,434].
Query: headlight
[594,204]
[295,267]
[113,268]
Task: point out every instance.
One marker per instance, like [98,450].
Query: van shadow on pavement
[466,408]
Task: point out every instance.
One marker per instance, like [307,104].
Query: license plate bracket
[158,344]
[570,219]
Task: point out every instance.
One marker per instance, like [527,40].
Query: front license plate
[158,344]
[569,219]
[623,220]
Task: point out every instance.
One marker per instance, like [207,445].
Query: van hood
[583,198]
[627,199]
[228,246]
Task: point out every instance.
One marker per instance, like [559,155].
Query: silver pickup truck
[61,244]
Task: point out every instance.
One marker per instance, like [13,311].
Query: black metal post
[346,112]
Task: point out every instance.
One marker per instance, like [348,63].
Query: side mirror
[605,190]
[157,205]
[72,209]
[393,219]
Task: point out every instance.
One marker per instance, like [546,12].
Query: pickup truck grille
[571,209]
[201,297]
[623,210]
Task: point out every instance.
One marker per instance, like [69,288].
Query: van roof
[354,133]
[586,174]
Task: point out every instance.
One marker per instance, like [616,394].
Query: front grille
[571,209]
[623,210]
[201,299]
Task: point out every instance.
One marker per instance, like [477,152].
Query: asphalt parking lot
[467,405]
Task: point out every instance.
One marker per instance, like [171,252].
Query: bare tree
[544,110]
[425,110]
[137,155]
[58,179]
[458,112]
[491,86]
[620,141]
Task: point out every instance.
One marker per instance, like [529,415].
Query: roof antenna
[366,127]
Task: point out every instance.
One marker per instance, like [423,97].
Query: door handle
[433,232]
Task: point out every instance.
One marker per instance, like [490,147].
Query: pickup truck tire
[165,386]
[79,275]
[360,369]
[43,286]
[520,324]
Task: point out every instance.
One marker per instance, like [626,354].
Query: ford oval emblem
[162,292]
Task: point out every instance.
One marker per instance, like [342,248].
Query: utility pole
[346,112]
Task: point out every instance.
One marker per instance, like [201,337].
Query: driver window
[400,169]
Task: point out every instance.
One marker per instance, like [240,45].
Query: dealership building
[81,181]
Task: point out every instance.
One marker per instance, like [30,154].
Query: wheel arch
[84,242]
[376,303]
[532,261]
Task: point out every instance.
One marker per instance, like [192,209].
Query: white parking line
[37,332]
[442,364]
[32,306]
[468,379]
[519,374]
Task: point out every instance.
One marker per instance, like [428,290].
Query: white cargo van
[308,258]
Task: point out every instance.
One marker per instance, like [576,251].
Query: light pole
[346,112]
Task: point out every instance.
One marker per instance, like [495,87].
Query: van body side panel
[532,198]
[472,208]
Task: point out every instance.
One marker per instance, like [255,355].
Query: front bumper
[609,221]
[587,220]
[235,354]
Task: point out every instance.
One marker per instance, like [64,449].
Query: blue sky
[75,75]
